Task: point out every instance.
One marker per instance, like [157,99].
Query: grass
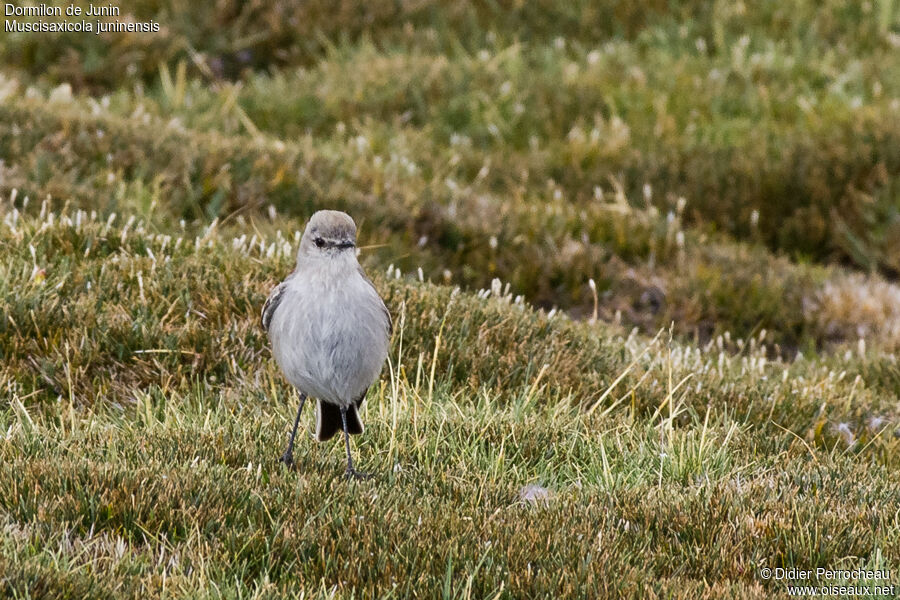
[548,251]
[785,112]
[640,261]
[141,436]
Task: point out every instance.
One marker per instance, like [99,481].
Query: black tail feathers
[328,421]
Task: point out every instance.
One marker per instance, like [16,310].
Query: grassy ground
[717,184]
[145,417]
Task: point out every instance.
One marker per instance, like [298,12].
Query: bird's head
[329,233]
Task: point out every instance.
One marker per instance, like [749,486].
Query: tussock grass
[140,437]
[652,269]
[779,123]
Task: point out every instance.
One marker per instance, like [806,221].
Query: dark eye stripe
[330,243]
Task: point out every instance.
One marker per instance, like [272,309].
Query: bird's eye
[319,242]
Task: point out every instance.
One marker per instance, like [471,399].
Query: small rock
[535,494]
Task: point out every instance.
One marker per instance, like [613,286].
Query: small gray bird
[329,329]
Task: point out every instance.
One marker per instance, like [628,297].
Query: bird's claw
[288,459]
[357,475]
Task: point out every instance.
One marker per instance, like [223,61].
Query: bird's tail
[328,421]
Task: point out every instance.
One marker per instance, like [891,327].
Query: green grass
[641,261]
[786,111]
[145,416]
[547,250]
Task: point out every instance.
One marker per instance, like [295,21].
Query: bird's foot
[288,459]
[355,475]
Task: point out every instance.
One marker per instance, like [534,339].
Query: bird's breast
[329,337]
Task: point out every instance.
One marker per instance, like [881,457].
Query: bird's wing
[387,313]
[271,305]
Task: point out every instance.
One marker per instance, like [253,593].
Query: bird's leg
[351,472]
[288,456]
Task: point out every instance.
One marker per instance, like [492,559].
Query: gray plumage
[330,330]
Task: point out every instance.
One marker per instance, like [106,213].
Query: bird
[329,330]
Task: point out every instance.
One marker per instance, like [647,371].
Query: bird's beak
[346,244]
